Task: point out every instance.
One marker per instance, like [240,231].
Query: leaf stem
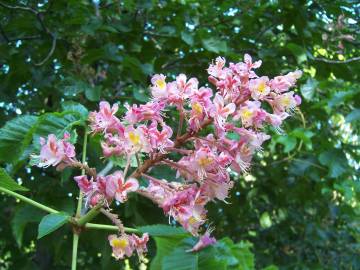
[29,201]
[109,227]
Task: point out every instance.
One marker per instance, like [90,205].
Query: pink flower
[118,188]
[259,88]
[55,152]
[191,217]
[216,69]
[186,87]
[159,86]
[85,185]
[105,120]
[121,246]
[204,160]
[160,139]
[250,64]
[221,112]
[282,84]
[202,96]
[139,243]
[204,241]
[135,140]
[284,102]
[251,114]
[149,111]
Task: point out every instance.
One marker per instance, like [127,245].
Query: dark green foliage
[300,205]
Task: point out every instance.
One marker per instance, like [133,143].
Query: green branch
[109,227]
[29,201]
[89,215]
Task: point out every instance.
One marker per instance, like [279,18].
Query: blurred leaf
[335,160]
[353,116]
[298,51]
[308,89]
[288,142]
[187,38]
[214,45]
[93,93]
[265,220]
[23,216]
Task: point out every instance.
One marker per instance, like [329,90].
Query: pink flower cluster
[229,119]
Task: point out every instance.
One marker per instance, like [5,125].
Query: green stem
[74,251]
[109,227]
[78,209]
[29,201]
[81,195]
[89,215]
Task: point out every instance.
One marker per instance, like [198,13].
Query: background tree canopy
[298,208]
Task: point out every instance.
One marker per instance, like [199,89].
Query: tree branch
[330,61]
[40,19]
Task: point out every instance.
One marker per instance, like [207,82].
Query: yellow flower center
[161,84]
[205,161]
[119,243]
[134,138]
[285,101]
[246,114]
[262,87]
[197,108]
[192,220]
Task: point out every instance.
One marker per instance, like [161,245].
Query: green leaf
[163,230]
[187,38]
[7,182]
[271,267]
[305,135]
[51,223]
[141,94]
[167,238]
[335,160]
[72,106]
[353,116]
[214,45]
[298,51]
[179,259]
[72,86]
[288,142]
[15,137]
[265,220]
[23,216]
[308,89]
[93,93]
